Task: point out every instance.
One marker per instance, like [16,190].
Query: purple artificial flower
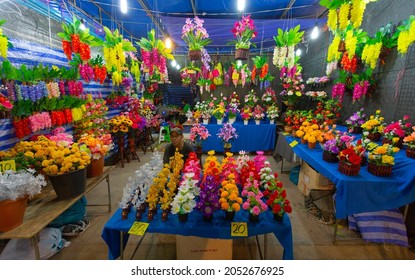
[227,132]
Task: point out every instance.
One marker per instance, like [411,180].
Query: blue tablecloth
[251,137]
[195,226]
[364,192]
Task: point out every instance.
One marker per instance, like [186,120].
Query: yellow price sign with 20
[138,228]
[239,229]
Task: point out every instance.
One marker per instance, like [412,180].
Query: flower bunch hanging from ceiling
[284,52]
[196,37]
[244,31]
[77,41]
[154,54]
[406,35]
[260,72]
[4,42]
[114,50]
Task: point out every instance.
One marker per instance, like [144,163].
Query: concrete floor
[312,239]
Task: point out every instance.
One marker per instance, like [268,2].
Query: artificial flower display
[251,99]
[244,31]
[219,111]
[209,197]
[272,112]
[356,120]
[410,139]
[232,111]
[278,202]
[258,113]
[406,35]
[375,124]
[198,134]
[184,201]
[234,98]
[396,131]
[352,154]
[120,124]
[4,42]
[212,167]
[19,184]
[246,113]
[229,195]
[227,133]
[195,35]
[269,98]
[284,54]
[292,83]
[93,146]
[383,155]
[158,185]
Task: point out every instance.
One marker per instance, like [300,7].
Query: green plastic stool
[164,135]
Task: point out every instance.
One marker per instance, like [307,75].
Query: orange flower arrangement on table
[410,142]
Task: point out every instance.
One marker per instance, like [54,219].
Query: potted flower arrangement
[272,113]
[230,201]
[292,83]
[333,147]
[373,127]
[198,134]
[227,133]
[381,160]
[96,149]
[355,121]
[234,98]
[232,111]
[203,111]
[396,131]
[410,142]
[219,112]
[350,160]
[15,188]
[184,202]
[244,31]
[196,37]
[246,114]
[251,99]
[258,114]
[269,98]
[279,203]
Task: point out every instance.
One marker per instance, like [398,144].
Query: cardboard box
[310,179]
[197,248]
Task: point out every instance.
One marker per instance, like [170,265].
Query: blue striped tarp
[382,226]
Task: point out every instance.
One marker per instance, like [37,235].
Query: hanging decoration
[284,52]
[196,37]
[4,42]
[244,31]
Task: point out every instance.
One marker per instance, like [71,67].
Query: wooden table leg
[35,243]
[107,178]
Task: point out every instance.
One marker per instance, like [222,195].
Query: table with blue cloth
[251,137]
[364,192]
[195,226]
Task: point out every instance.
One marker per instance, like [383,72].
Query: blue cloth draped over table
[195,226]
[364,192]
[251,137]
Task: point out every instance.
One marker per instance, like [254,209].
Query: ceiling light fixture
[178,66]
[173,63]
[315,32]
[241,5]
[82,26]
[298,52]
[123,6]
[168,43]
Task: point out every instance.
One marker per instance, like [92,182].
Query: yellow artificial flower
[332,20]
[381,150]
[356,14]
[344,16]
[388,159]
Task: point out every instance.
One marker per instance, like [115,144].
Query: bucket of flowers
[272,113]
[258,114]
[395,132]
[96,149]
[355,121]
[246,114]
[244,31]
[269,97]
[232,111]
[350,160]
[219,112]
[332,147]
[279,203]
[196,37]
[227,133]
[381,160]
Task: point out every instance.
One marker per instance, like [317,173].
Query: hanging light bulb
[298,52]
[82,26]
[167,43]
[173,63]
[239,63]
[178,66]
[123,6]
[315,33]
[241,5]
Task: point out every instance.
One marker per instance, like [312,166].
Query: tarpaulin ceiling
[168,16]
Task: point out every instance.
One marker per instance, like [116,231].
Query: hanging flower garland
[406,35]
[284,54]
[4,42]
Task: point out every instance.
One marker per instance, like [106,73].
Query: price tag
[285,133]
[294,143]
[7,165]
[138,228]
[239,229]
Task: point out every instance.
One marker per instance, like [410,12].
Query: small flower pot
[278,217]
[410,153]
[311,145]
[288,129]
[253,218]
[219,121]
[245,122]
[374,136]
[348,169]
[195,55]
[241,54]
[95,168]
[271,121]
[231,120]
[229,215]
[356,130]
[205,121]
[379,170]
[12,213]
[69,185]
[257,122]
[183,217]
[330,157]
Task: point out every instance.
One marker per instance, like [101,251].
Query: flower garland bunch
[93,146]
[19,184]
[333,54]
[370,54]
[396,130]
[284,54]
[60,160]
[383,155]
[244,31]
[227,133]
[184,201]
[272,112]
[258,112]
[360,89]
[331,66]
[410,139]
[232,110]
[229,195]
[40,121]
[194,34]
[348,64]
[4,42]
[356,120]
[338,91]
[374,124]
[176,164]
[269,97]
[198,134]
[246,113]
[406,35]
[61,138]
[158,185]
